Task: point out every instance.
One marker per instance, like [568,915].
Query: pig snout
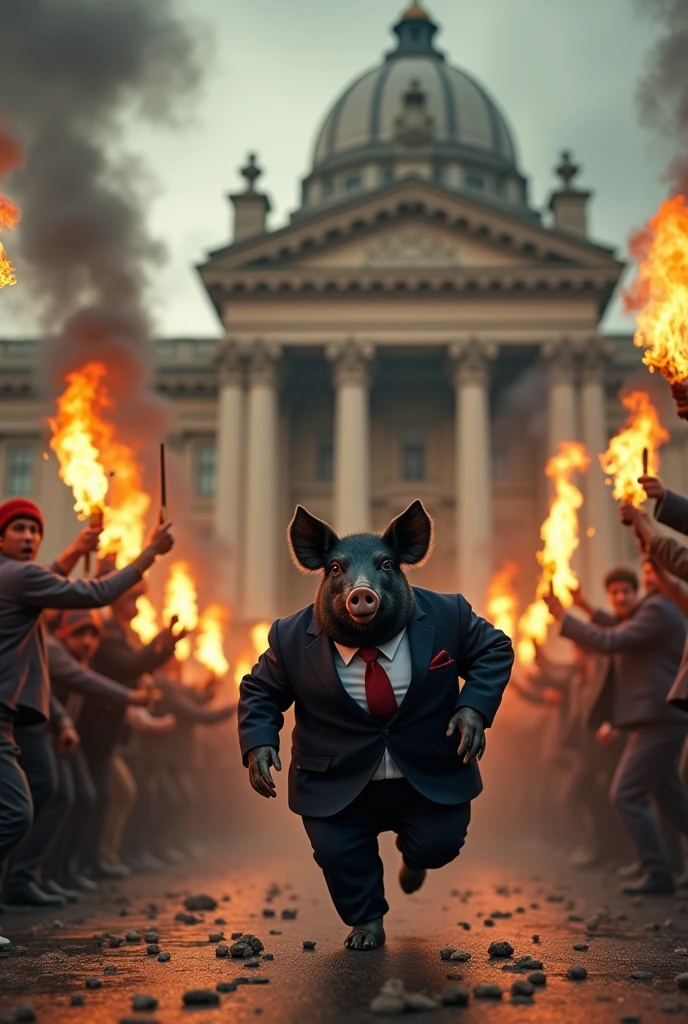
[362,603]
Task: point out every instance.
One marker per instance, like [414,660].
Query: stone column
[351,437]
[561,396]
[262,525]
[473,471]
[230,447]
[598,540]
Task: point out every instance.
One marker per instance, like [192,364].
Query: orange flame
[145,622]
[181,600]
[559,534]
[212,628]
[11,156]
[259,642]
[96,466]
[502,599]
[660,293]
[623,459]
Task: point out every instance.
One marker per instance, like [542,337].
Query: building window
[19,474]
[438,175]
[328,186]
[353,182]
[475,181]
[413,455]
[324,469]
[206,470]
[387,176]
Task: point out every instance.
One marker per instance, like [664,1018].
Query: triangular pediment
[414,224]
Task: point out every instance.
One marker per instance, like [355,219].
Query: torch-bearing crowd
[96,728]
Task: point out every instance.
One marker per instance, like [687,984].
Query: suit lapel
[421,636]
[321,657]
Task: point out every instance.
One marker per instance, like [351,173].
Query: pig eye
[387,564]
[335,568]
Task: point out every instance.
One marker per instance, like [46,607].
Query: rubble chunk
[487,992]
[501,949]
[454,995]
[201,997]
[576,973]
[200,902]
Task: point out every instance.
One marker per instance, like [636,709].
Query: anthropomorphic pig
[373,670]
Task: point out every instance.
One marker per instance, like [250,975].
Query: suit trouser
[345,845]
[649,771]
[16,807]
[52,795]
[122,802]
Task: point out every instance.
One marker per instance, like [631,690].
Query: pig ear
[310,539]
[411,535]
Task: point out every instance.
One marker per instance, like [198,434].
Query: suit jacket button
[386,732]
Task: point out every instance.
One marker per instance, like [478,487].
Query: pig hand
[260,759]
[472,729]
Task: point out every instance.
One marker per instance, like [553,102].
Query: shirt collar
[389,649]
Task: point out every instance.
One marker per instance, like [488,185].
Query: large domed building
[416,330]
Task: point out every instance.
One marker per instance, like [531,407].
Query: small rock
[201,996]
[581,947]
[77,999]
[681,951]
[226,986]
[446,952]
[682,981]
[268,956]
[25,1012]
[216,937]
[152,949]
[93,983]
[487,992]
[275,931]
[417,1001]
[387,1006]
[114,941]
[144,1002]
[200,902]
[537,978]
[488,922]
[289,914]
[461,956]
[536,939]
[110,970]
[576,973]
[631,1018]
[641,976]
[527,963]
[454,995]
[222,950]
[268,912]
[164,958]
[133,936]
[150,936]
[522,988]
[308,944]
[251,964]
[501,949]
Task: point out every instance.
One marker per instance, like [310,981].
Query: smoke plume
[663,92]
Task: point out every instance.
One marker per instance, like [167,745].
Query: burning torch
[95,522]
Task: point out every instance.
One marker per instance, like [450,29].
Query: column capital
[596,355]
[230,362]
[560,360]
[263,363]
[351,362]
[470,361]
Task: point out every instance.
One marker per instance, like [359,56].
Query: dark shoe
[651,885]
[75,878]
[366,936]
[633,870]
[104,869]
[51,886]
[30,895]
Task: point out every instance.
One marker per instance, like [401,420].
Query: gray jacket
[646,650]
[72,682]
[25,590]
[672,510]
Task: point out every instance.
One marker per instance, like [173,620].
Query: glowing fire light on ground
[659,296]
[259,643]
[502,599]
[145,623]
[96,466]
[559,534]
[181,600]
[212,628]
[623,460]
[11,156]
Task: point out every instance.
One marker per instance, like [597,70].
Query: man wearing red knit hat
[25,590]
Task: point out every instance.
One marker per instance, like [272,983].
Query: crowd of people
[96,728]
[618,728]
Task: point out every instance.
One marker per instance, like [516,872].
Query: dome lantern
[415,31]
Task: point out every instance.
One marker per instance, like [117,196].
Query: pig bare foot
[409,879]
[366,936]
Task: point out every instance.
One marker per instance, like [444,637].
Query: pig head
[364,597]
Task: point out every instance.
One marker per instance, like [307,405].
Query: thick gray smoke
[71,71]
[663,92]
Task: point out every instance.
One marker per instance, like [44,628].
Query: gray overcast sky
[565,74]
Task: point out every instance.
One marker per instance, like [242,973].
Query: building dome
[414,114]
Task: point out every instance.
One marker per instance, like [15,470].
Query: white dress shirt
[395,658]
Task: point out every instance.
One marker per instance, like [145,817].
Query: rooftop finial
[567,170]
[414,13]
[251,172]
[415,31]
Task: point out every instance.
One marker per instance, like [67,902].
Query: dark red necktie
[378,690]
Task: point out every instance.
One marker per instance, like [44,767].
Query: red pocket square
[440,660]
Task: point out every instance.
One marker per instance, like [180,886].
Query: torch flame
[502,599]
[96,466]
[212,627]
[259,643]
[7,275]
[623,460]
[181,600]
[560,536]
[145,622]
[660,292]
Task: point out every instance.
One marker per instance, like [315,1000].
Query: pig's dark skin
[376,562]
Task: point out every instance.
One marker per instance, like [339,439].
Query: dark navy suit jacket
[337,744]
